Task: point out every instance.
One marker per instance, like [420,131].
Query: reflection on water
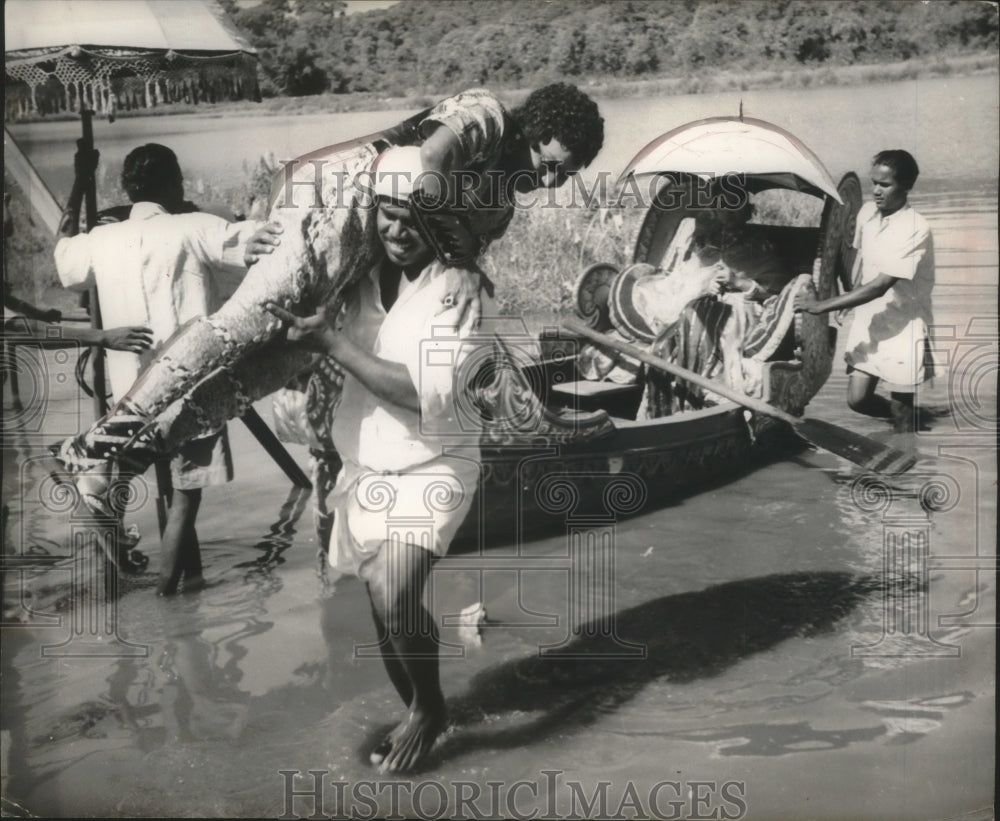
[778,739]
[201,698]
[281,534]
[758,602]
[186,687]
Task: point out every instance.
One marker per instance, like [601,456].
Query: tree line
[437,46]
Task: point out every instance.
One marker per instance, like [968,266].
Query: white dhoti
[423,506]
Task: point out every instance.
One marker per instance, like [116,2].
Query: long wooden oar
[854,447]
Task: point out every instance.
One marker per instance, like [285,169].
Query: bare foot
[412,739]
[166,586]
[121,552]
[381,751]
[384,747]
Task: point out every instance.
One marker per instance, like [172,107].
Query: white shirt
[155,269]
[416,333]
[888,335]
[901,246]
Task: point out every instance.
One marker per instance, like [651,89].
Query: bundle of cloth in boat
[719,312]
[728,338]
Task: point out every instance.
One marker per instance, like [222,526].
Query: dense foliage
[428,46]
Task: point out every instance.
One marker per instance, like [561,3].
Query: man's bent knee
[396,576]
[858,404]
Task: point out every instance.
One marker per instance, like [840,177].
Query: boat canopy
[768,156]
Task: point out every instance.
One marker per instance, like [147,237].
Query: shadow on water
[686,637]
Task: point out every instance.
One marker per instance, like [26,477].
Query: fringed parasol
[73,55]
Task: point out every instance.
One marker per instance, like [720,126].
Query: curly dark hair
[904,168]
[150,171]
[562,111]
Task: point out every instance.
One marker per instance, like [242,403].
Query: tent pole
[93,306]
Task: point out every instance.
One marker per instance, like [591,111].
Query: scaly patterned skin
[214,367]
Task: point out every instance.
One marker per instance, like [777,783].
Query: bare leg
[324,465]
[191,563]
[180,547]
[902,410]
[861,396]
[393,666]
[396,579]
[397,675]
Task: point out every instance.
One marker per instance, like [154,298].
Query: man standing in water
[396,429]
[893,280]
[162,268]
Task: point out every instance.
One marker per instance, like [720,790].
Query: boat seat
[588,395]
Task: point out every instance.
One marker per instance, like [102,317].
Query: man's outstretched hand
[314,333]
[466,303]
[131,338]
[264,240]
[807,302]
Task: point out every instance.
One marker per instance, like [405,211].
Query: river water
[793,663]
[949,124]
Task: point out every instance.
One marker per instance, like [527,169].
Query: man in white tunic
[893,280]
[159,268]
[408,441]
